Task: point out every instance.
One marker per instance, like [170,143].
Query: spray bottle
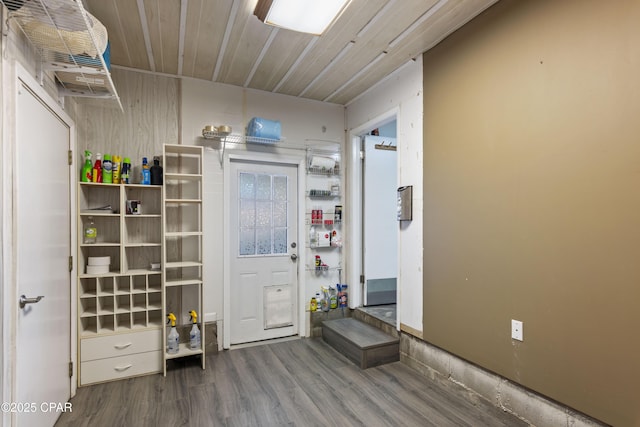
[97,169]
[173,339]
[87,169]
[194,335]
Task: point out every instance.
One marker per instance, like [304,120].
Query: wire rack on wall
[310,145]
[71,43]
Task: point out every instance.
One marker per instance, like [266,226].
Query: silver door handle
[294,257]
[24,300]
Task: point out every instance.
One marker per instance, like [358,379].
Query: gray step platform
[361,343]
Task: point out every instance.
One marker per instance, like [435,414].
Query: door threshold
[264,342]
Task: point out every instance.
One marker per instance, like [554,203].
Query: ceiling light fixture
[305,16]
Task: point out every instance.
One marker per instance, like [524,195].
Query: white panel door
[43,235]
[380,232]
[263,232]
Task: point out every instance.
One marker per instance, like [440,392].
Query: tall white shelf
[119,312]
[182,288]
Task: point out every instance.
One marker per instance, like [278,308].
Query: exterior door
[380,232]
[43,247]
[263,264]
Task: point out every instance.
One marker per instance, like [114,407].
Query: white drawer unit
[120,345]
[113,368]
[119,356]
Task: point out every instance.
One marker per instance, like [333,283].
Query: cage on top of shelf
[71,42]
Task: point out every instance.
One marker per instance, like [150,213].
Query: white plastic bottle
[313,237]
[173,339]
[194,335]
[319,300]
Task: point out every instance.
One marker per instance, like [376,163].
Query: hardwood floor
[302,382]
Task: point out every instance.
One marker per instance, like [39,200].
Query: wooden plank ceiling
[222,41]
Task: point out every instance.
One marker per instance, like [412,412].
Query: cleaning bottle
[313,237]
[313,306]
[326,302]
[116,169]
[146,173]
[107,169]
[156,172]
[87,169]
[194,335]
[90,231]
[97,169]
[333,298]
[173,339]
[125,173]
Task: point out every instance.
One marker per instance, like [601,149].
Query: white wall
[206,103]
[401,92]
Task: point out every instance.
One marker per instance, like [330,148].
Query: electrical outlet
[516,330]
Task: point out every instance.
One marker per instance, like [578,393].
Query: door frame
[13,76]
[353,204]
[299,162]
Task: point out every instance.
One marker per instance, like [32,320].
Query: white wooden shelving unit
[182,235]
[120,312]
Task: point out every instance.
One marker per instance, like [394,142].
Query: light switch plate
[516,330]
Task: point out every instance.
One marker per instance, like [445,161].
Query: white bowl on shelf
[97,269]
[99,260]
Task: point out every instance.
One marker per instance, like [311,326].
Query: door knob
[294,257]
[24,300]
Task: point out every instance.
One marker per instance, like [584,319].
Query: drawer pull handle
[123,368]
[122,346]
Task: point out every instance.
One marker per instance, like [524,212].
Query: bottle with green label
[107,169]
[90,231]
[87,169]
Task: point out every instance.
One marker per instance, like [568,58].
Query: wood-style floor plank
[294,383]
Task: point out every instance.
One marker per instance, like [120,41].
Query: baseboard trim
[411,331]
[529,406]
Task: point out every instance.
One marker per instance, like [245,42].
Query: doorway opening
[380,229]
[373,184]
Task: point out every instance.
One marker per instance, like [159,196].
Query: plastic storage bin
[264,129]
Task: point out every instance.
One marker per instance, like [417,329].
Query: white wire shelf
[71,43]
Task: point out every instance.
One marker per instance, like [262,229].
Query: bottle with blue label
[146,173]
[125,173]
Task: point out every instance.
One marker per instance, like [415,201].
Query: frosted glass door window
[263,214]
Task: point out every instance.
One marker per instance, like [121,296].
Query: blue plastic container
[93,62]
[263,128]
